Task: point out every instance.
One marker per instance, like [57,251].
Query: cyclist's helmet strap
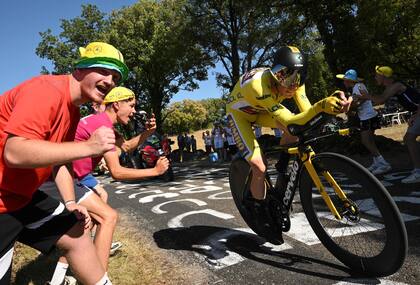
[287,60]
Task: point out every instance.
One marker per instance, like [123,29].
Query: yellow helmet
[99,54]
[118,94]
[384,70]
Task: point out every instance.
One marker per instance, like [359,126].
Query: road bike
[348,208]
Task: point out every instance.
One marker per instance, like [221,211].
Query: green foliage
[158,47]
[185,116]
[215,110]
[62,50]
[390,35]
[361,34]
[155,39]
[242,34]
[319,82]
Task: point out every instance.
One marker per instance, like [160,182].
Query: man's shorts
[82,188]
[415,128]
[370,124]
[40,224]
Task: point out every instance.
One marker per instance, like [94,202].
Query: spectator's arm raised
[21,152]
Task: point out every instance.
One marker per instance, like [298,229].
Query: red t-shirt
[38,109]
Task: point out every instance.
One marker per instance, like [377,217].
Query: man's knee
[76,236]
[110,216]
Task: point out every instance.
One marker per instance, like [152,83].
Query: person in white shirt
[257,130]
[217,134]
[368,120]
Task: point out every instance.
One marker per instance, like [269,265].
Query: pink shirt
[85,128]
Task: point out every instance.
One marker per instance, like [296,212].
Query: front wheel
[371,237]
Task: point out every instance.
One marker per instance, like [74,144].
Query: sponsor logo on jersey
[243,149]
[263,97]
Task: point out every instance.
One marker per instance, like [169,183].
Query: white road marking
[156,209]
[352,281]
[176,222]
[150,198]
[228,196]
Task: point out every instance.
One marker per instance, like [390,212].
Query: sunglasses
[287,77]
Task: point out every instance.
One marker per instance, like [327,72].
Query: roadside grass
[138,262]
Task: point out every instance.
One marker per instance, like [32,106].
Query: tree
[243,34]
[215,110]
[156,43]
[62,50]
[361,34]
[184,116]
[159,48]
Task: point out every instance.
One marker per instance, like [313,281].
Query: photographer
[119,108]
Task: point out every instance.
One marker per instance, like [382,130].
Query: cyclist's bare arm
[119,172]
[20,152]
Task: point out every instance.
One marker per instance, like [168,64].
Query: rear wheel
[371,237]
[263,225]
[239,180]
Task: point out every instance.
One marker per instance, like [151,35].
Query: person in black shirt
[409,98]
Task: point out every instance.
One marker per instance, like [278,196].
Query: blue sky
[22,21]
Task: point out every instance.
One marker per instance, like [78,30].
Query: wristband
[68,202]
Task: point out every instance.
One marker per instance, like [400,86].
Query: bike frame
[305,154]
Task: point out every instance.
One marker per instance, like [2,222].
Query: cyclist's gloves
[329,105]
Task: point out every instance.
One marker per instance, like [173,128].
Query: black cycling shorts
[40,224]
[370,124]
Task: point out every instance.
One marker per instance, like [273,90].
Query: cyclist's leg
[47,223]
[248,147]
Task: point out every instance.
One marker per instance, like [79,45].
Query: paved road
[195,217]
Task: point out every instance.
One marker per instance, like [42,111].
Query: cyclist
[38,120]
[409,98]
[119,108]
[256,99]
[368,120]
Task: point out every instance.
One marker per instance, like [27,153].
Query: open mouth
[102,90]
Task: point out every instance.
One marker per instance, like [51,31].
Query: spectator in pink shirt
[119,108]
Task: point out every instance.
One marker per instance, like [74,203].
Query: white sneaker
[412,178]
[69,280]
[381,169]
[114,247]
[373,166]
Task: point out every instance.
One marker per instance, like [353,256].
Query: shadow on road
[217,243]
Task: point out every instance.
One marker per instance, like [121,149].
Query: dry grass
[139,261]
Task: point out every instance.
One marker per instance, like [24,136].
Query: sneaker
[114,247]
[412,178]
[373,166]
[381,169]
[69,280]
